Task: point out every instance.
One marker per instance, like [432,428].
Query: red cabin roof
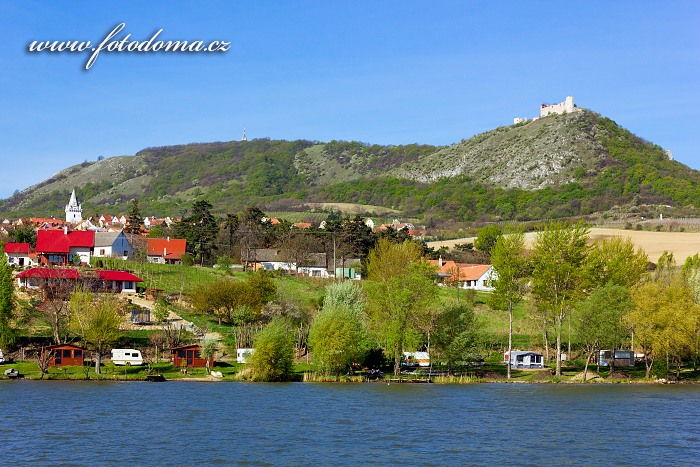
[60,241]
[50,273]
[117,276]
[68,273]
[17,248]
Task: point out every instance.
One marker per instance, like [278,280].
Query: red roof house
[467,276]
[166,250]
[59,247]
[17,248]
[67,278]
[18,254]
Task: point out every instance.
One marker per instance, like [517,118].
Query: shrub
[274,352]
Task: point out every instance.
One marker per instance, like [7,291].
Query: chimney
[65,230]
[168,238]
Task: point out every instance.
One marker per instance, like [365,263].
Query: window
[66,353]
[78,353]
[181,354]
[102,251]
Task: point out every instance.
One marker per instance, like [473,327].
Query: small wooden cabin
[65,355]
[189,356]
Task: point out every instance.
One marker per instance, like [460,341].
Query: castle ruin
[565,107]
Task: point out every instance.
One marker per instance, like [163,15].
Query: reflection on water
[186,423]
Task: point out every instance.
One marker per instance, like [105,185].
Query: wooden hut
[189,356]
[65,355]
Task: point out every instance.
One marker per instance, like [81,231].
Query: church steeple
[74,210]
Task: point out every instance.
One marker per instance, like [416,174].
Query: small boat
[155,378]
[13,373]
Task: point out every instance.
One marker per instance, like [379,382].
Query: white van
[127,357]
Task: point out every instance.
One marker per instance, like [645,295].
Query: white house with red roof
[17,254]
[97,281]
[468,276]
[166,250]
[60,247]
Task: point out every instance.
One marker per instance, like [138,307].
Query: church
[74,210]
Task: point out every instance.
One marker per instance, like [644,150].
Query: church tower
[74,211]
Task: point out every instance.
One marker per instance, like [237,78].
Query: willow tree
[557,275]
[400,286]
[664,321]
[510,262]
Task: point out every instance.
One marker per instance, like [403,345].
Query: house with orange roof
[467,276]
[166,250]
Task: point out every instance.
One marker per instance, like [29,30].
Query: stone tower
[74,210]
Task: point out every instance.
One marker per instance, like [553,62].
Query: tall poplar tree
[510,261]
[558,275]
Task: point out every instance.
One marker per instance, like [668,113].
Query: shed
[189,356]
[65,355]
[524,359]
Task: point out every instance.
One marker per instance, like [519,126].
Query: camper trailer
[524,359]
[129,357]
[622,358]
[414,359]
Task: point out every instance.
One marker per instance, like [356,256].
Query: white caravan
[127,357]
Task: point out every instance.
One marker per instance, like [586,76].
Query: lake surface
[187,423]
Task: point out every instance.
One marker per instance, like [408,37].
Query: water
[186,423]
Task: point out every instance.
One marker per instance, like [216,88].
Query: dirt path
[174,318]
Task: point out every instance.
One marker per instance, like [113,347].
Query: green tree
[510,262]
[400,285]
[336,339]
[486,238]
[208,349]
[345,294]
[457,334]
[200,230]
[598,320]
[274,352]
[7,305]
[664,321]
[135,218]
[557,275]
[96,322]
[615,261]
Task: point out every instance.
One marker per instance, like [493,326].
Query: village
[70,255]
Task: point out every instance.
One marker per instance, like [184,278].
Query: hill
[557,166]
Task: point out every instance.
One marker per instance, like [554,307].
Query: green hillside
[557,166]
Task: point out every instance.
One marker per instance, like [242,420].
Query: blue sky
[379,72]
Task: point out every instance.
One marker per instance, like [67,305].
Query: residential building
[166,250]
